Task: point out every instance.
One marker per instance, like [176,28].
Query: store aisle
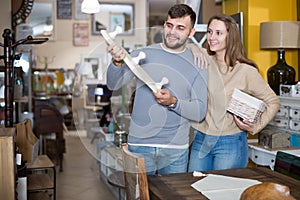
[80,178]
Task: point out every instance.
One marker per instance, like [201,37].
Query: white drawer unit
[288,117]
[295,113]
[294,125]
[283,112]
[280,122]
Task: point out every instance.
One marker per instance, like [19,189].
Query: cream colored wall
[66,55]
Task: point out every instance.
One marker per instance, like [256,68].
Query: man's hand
[199,58]
[117,54]
[164,97]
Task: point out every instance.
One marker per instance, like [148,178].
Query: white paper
[219,187]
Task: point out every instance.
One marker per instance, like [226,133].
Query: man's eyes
[181,28]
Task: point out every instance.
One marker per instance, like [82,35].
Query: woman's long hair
[234,48]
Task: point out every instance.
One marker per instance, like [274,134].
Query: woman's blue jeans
[162,160]
[218,152]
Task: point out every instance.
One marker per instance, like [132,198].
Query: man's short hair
[182,10]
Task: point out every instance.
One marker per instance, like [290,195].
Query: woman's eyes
[217,32]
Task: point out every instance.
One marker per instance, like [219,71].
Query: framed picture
[64,9]
[116,19]
[42,19]
[80,34]
[78,14]
[112,15]
[94,67]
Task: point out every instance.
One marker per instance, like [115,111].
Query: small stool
[117,179]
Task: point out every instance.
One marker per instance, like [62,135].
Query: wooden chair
[48,120]
[135,176]
[287,164]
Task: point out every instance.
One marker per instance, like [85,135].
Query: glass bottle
[280,73]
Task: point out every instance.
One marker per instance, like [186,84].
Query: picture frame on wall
[116,19]
[64,9]
[78,14]
[112,15]
[94,66]
[81,34]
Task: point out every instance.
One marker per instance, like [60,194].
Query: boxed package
[290,90]
[274,138]
[245,106]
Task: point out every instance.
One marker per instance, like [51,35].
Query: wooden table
[178,186]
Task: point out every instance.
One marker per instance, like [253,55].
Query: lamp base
[280,73]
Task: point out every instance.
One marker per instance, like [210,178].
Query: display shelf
[41,178]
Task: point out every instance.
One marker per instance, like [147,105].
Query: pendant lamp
[90,6]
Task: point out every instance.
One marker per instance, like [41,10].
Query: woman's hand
[244,124]
[199,58]
[117,53]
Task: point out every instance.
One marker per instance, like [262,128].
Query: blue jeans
[162,160]
[218,152]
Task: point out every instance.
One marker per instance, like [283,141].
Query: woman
[221,139]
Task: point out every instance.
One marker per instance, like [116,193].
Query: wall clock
[20,11]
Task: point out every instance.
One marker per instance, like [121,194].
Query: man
[159,128]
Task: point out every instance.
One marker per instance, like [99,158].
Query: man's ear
[192,33]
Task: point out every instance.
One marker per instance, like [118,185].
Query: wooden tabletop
[178,186]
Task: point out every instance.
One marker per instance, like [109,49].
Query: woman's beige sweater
[220,87]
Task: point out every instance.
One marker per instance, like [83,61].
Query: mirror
[42,19]
[112,15]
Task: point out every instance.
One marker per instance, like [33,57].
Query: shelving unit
[41,179]
[287,120]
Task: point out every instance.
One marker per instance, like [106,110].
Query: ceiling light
[90,6]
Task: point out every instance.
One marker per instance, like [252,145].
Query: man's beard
[176,45]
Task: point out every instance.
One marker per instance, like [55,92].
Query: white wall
[66,55]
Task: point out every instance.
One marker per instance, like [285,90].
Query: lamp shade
[86,69]
[280,34]
[90,6]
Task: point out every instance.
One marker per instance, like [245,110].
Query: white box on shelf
[290,90]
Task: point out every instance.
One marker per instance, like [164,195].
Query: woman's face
[216,36]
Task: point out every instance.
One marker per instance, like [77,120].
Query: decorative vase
[280,73]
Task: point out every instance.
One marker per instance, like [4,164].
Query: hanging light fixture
[90,6]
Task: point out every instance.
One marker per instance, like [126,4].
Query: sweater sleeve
[262,91]
[195,108]
[118,76]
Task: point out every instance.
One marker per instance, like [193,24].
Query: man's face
[176,32]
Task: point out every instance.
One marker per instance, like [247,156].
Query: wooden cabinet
[41,179]
[7,164]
